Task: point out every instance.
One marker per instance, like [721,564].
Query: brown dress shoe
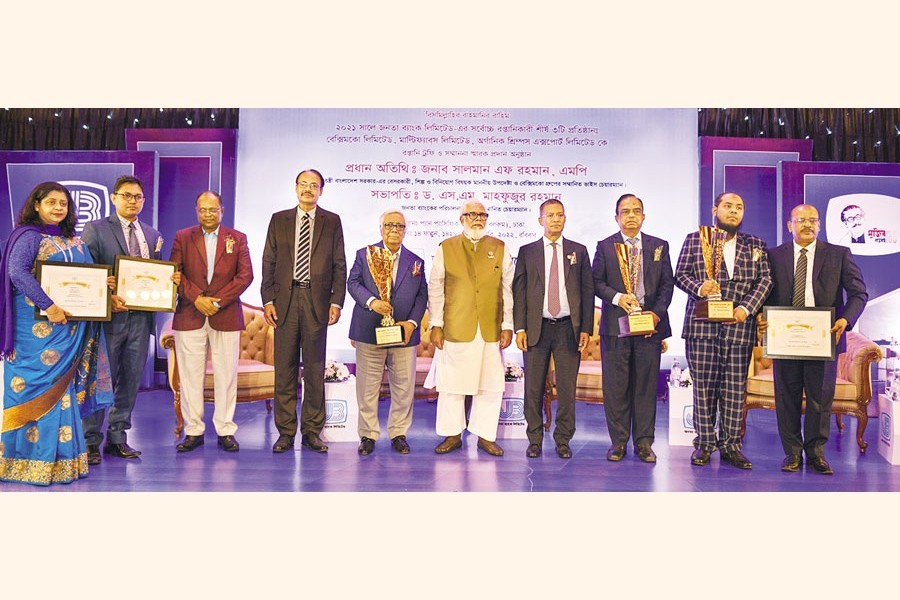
[616,452]
[283,443]
[313,442]
[645,453]
[533,451]
[490,447]
[450,443]
[93,455]
[819,464]
[736,458]
[563,451]
[791,463]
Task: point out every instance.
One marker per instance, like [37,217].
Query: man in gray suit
[631,363]
[304,281]
[553,313]
[808,272]
[128,333]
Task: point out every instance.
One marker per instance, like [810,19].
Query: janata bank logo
[885,420]
[687,417]
[91,201]
[512,409]
[335,412]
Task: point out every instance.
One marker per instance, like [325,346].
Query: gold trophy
[713,308]
[381,265]
[637,322]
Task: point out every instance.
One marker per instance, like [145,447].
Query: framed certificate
[797,332]
[145,284]
[78,288]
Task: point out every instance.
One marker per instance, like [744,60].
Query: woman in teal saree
[55,372]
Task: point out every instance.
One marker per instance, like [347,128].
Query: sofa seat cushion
[255,380]
[763,384]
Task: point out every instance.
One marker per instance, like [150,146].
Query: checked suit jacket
[749,286]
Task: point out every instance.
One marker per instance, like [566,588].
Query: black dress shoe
[283,444]
[190,442]
[819,464]
[400,444]
[736,458]
[791,463]
[534,450]
[563,451]
[700,457]
[616,452]
[313,442]
[645,453]
[366,446]
[122,450]
[93,455]
[228,443]
[450,443]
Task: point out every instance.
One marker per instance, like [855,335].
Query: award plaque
[381,265]
[799,333]
[713,308]
[77,288]
[637,322]
[145,284]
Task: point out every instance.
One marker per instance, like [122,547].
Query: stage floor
[256,469]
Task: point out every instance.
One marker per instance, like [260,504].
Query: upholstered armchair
[852,393]
[256,371]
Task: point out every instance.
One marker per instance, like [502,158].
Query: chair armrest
[166,336]
[855,364]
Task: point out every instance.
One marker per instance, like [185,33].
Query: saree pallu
[57,375]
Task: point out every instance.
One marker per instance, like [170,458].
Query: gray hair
[390,212]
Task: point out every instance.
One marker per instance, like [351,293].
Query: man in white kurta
[470,306]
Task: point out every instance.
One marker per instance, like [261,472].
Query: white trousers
[190,352]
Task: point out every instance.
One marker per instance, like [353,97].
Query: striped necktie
[639,292]
[799,296]
[301,270]
[553,306]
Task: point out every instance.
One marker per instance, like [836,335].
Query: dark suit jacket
[529,290]
[232,274]
[409,295]
[748,287]
[105,239]
[658,282]
[327,263]
[834,275]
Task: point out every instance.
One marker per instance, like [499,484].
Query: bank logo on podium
[512,409]
[335,412]
[687,417]
[885,420]
[91,201]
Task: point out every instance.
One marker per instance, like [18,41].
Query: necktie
[134,248]
[639,292]
[553,289]
[799,296]
[301,271]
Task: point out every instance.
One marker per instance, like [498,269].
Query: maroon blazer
[232,275]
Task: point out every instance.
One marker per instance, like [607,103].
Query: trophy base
[717,311]
[640,323]
[385,337]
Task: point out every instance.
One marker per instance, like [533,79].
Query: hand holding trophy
[713,308]
[637,322]
[381,265]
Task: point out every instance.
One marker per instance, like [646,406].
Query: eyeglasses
[476,215]
[208,211]
[854,219]
[397,226]
[129,197]
[810,220]
[303,185]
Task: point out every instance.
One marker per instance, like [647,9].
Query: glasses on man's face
[810,220]
[854,219]
[395,226]
[129,197]
[208,211]
[476,216]
[303,185]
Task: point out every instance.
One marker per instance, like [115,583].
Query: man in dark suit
[551,323]
[631,363]
[808,272]
[718,353]
[304,281]
[407,302]
[128,333]
[214,262]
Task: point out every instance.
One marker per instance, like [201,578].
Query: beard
[730,229]
[474,234]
